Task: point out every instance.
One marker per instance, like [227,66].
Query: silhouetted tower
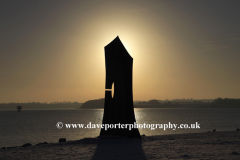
[119,108]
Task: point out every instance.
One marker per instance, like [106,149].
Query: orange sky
[54,51]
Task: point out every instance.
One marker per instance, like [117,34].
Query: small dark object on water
[62,140]
[42,143]
[237,129]
[185,156]
[26,145]
[3,148]
[214,130]
[19,108]
[235,153]
[144,135]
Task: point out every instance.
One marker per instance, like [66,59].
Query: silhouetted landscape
[99,104]
[39,105]
[176,103]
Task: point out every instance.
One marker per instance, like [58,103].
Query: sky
[54,50]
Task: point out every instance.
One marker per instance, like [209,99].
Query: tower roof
[117,48]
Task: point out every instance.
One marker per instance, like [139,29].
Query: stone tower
[119,108]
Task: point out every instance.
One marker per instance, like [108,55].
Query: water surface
[35,126]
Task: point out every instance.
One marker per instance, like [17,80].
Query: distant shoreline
[175,106]
[99,104]
[40,109]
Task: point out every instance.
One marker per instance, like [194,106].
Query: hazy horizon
[54,50]
[182,99]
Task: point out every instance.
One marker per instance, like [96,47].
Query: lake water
[35,126]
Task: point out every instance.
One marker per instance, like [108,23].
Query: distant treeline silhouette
[41,105]
[227,101]
[153,103]
[93,104]
[176,103]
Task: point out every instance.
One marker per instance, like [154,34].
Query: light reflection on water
[34,126]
